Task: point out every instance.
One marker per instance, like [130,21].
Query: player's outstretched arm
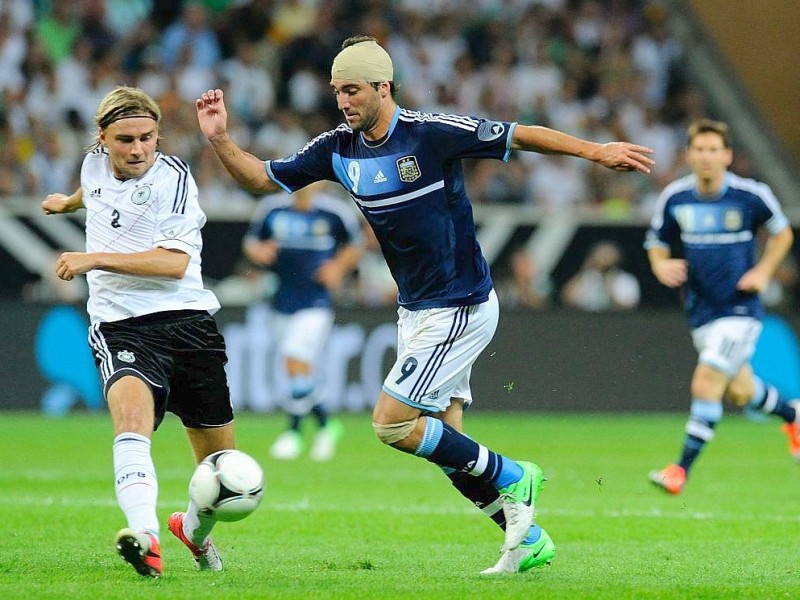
[248,170]
[61,203]
[619,156]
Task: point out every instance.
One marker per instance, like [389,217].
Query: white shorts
[436,349]
[728,343]
[302,335]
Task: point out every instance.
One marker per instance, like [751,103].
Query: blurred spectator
[191,38]
[250,87]
[525,286]
[52,170]
[557,183]
[58,29]
[601,284]
[13,48]
[124,16]
[94,29]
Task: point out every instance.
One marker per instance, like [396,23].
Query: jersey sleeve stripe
[182,189]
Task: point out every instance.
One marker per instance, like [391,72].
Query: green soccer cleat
[326,440]
[525,557]
[519,501]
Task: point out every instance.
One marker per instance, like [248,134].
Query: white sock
[135,482]
[197,525]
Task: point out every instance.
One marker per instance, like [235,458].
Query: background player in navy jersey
[403,170]
[155,342]
[312,241]
[714,216]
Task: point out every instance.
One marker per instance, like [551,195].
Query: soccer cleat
[791,430]
[207,558]
[671,478]
[325,441]
[288,446]
[526,557]
[141,550]
[519,504]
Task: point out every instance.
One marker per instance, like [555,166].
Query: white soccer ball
[228,483]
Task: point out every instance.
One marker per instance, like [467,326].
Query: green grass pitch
[378,524]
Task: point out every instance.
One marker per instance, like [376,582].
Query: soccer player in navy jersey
[154,339]
[403,170]
[714,216]
[312,241]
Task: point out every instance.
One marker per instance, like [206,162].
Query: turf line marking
[305,505]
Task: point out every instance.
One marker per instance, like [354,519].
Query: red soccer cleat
[207,558]
[141,551]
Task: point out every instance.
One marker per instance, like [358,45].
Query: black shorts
[179,354]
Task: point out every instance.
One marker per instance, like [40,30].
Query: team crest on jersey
[408,169]
[126,356]
[733,220]
[320,227]
[140,195]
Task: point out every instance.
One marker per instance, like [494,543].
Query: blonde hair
[124,102]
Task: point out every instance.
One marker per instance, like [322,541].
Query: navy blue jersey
[305,240]
[410,187]
[718,236]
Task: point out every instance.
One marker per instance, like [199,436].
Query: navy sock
[294,422]
[481,493]
[770,401]
[446,447]
[321,414]
[703,417]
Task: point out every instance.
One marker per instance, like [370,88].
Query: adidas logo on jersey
[379,178]
[95,193]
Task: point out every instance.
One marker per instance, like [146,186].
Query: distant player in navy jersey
[714,216]
[312,241]
[154,340]
[403,170]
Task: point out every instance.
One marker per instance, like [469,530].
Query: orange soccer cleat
[791,430]
[671,478]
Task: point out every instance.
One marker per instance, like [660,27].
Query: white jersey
[157,210]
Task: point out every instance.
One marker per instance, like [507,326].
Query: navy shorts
[179,354]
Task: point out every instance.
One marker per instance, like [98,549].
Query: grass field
[378,524]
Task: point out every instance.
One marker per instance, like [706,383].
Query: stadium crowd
[599,69]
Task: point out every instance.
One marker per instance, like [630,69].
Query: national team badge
[320,227]
[141,195]
[126,356]
[733,220]
[408,169]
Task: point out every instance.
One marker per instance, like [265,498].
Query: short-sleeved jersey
[306,239]
[718,237]
[410,187]
[157,210]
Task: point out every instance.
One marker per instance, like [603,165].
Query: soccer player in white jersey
[714,215]
[311,240]
[155,342]
[403,170]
